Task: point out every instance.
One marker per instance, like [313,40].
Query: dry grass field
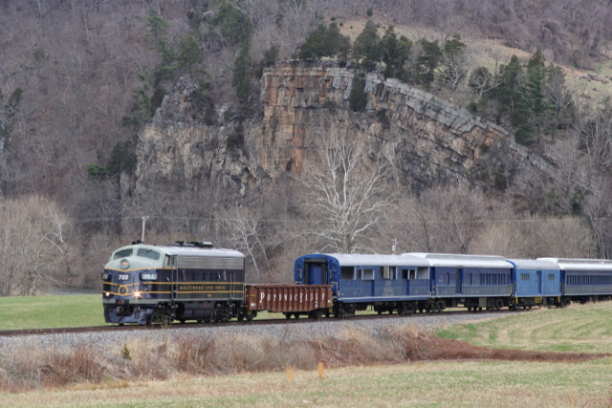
[432,384]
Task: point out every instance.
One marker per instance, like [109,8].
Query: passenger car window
[347,273]
[123,253]
[148,253]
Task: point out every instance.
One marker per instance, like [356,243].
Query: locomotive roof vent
[202,244]
[199,244]
[137,242]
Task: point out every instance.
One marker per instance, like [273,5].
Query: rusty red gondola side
[288,298]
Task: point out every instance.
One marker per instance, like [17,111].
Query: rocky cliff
[427,140]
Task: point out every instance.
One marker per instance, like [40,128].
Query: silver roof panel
[576,264]
[458,261]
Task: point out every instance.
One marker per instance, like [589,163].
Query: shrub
[358,99]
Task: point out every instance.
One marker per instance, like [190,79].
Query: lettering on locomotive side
[191,287]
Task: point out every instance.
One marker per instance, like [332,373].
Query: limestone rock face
[427,141]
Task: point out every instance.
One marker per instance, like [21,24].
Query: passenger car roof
[376,260]
[470,261]
[534,264]
[571,264]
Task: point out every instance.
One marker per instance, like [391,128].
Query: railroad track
[179,326]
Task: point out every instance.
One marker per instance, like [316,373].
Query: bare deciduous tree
[533,236]
[32,235]
[442,220]
[246,234]
[346,197]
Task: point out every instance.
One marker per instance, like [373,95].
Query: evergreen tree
[395,53]
[559,99]
[233,26]
[510,79]
[157,25]
[532,106]
[367,46]
[338,44]
[190,53]
[325,41]
[427,63]
[455,63]
[241,79]
[358,98]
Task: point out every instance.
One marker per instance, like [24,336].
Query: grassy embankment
[417,383]
[36,312]
[47,312]
[579,328]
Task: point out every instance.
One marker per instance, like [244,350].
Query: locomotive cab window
[123,253]
[347,273]
[423,273]
[148,253]
[413,274]
[404,274]
[169,262]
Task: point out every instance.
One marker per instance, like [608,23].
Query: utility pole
[144,221]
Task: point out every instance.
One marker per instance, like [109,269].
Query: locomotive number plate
[123,277]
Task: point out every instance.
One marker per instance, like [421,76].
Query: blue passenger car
[535,282]
[584,280]
[476,281]
[385,282]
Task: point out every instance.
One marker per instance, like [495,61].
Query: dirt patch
[419,346]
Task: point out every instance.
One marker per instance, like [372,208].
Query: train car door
[539,282]
[314,273]
[459,281]
[173,261]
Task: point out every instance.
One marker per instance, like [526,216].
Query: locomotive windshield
[123,253]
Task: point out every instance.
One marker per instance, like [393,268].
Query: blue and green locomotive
[186,281]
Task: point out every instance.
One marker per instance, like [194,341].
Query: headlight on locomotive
[125,264]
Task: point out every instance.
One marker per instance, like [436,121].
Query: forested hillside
[216,119]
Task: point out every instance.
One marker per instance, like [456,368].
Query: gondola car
[185,281]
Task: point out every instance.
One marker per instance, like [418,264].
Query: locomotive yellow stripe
[153,269]
[177,292]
